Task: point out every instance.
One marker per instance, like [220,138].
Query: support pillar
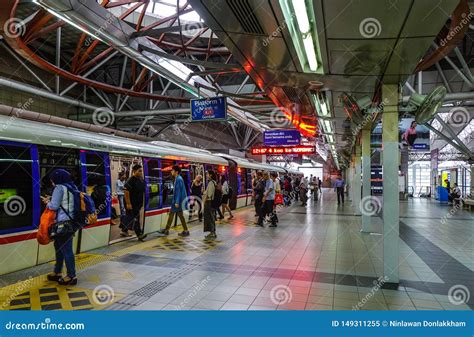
[391,206]
[366,175]
[356,187]
[350,183]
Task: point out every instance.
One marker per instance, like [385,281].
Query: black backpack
[217,200]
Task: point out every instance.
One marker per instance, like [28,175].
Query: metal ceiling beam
[8,83]
[185,60]
[156,32]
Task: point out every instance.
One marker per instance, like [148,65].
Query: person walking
[209,212]
[178,203]
[267,201]
[276,184]
[339,185]
[62,201]
[196,197]
[258,191]
[226,195]
[320,185]
[134,192]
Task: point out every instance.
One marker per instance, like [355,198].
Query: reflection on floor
[316,259]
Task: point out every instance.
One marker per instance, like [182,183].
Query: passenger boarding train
[30,150]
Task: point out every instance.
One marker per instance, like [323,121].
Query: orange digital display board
[300,149]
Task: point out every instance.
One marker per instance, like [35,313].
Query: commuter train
[30,150]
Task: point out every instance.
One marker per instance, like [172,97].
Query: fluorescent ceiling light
[327,126]
[324,108]
[310,53]
[330,138]
[301,14]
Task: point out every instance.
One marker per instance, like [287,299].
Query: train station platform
[316,259]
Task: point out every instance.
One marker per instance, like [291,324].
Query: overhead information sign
[209,109]
[274,150]
[281,137]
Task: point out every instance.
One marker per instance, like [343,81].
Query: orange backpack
[48,218]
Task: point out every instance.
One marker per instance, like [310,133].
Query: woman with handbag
[62,201]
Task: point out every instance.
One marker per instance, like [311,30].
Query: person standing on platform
[268,201]
[258,190]
[339,185]
[209,212]
[304,191]
[276,183]
[320,185]
[178,203]
[134,192]
[226,195]
[196,195]
[119,186]
[62,201]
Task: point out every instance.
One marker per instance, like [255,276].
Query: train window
[242,176]
[153,182]
[51,158]
[97,177]
[186,175]
[249,180]
[16,188]
[168,181]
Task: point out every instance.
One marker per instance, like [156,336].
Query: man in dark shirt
[134,192]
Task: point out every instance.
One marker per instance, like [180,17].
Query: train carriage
[95,161]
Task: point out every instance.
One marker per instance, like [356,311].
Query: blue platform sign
[281,137]
[209,109]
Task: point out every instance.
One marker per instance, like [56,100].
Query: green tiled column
[366,169]
[391,207]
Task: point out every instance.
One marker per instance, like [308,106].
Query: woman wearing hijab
[62,201]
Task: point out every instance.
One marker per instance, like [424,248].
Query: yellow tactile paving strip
[185,245]
[49,296]
[37,293]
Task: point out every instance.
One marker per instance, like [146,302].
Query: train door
[120,172]
[168,182]
[51,158]
[95,173]
[186,174]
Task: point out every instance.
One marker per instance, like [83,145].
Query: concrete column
[350,183]
[366,170]
[356,186]
[391,206]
